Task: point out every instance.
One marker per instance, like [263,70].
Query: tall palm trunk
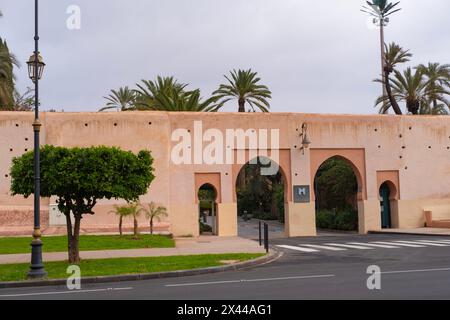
[241,105]
[413,107]
[392,100]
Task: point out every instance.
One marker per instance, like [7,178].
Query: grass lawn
[88,243]
[109,267]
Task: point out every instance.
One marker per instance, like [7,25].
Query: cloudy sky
[316,56]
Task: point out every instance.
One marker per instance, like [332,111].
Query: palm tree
[147,91]
[134,212]
[153,212]
[167,94]
[122,212]
[437,109]
[7,63]
[129,210]
[380,10]
[123,100]
[244,87]
[414,90]
[394,55]
[438,76]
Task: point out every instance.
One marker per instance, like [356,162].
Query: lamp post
[35,69]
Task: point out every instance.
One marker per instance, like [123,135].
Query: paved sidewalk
[184,246]
[416,231]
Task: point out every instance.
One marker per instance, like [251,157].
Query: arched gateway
[407,156]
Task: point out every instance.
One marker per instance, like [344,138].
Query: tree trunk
[392,100]
[74,247]
[241,105]
[413,107]
[120,225]
[135,229]
[151,226]
[69,234]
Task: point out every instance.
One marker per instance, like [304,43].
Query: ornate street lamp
[305,139]
[35,70]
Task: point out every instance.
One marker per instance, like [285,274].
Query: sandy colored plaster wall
[300,219]
[416,147]
[184,220]
[227,219]
[411,212]
[369,216]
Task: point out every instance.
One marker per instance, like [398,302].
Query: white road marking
[412,243]
[349,246]
[323,247]
[436,241]
[298,248]
[397,243]
[249,280]
[416,271]
[63,292]
[375,245]
[429,243]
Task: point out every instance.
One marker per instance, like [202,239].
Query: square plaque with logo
[302,194]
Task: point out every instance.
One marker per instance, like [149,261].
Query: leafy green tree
[262,196]
[123,99]
[167,94]
[153,212]
[335,185]
[79,177]
[243,86]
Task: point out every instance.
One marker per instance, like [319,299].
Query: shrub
[346,220]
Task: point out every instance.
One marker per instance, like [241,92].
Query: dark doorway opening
[207,205]
[336,189]
[385,196]
[261,197]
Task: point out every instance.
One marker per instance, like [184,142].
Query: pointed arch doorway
[207,206]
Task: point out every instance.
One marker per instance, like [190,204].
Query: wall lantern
[305,140]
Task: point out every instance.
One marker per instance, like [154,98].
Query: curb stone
[272,256]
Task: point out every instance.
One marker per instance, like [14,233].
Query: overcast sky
[316,56]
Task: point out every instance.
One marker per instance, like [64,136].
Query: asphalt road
[409,270]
